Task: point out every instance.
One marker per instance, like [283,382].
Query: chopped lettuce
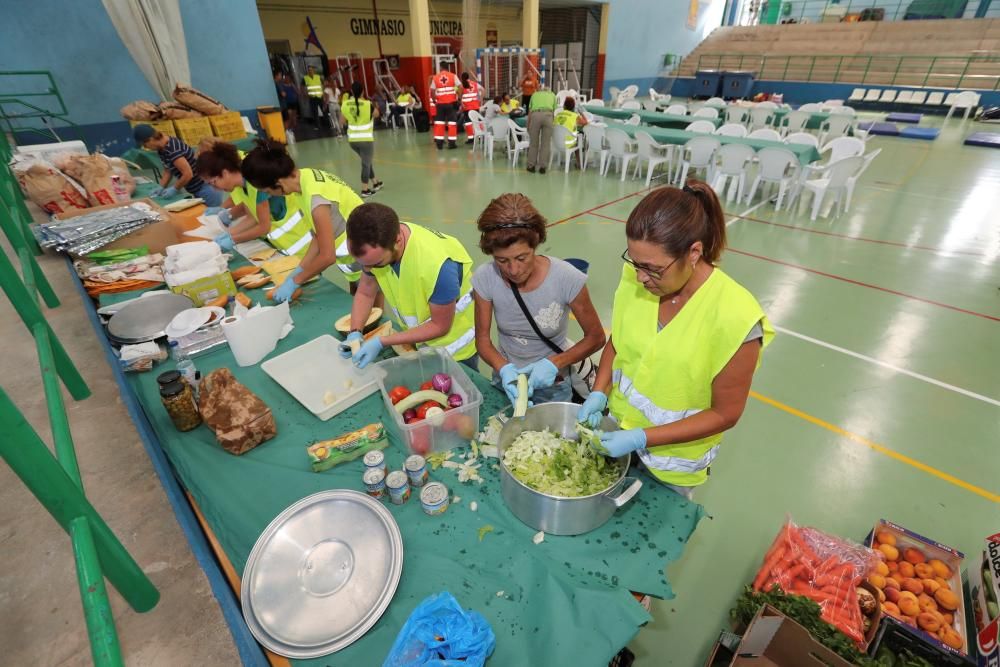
[559,467]
[592,437]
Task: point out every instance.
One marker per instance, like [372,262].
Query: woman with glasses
[685,340]
[531,295]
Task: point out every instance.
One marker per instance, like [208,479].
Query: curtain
[153,33]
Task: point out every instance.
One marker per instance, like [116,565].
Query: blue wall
[96,75]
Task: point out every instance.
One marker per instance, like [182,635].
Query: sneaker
[439,144]
[531,170]
[377,186]
[365,194]
[541,170]
[452,145]
[469,140]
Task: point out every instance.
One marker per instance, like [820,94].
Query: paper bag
[240,420]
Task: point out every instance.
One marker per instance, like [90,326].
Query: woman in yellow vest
[359,113]
[426,278]
[571,120]
[685,340]
[318,228]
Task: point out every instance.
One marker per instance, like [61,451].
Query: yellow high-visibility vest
[360,120]
[314,85]
[568,120]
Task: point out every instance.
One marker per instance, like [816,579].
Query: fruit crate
[193,130]
[896,635]
[164,126]
[228,126]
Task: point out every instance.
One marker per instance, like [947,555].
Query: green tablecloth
[563,602]
[650,117]
[664,135]
[815,119]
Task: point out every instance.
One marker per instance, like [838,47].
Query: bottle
[118,189]
[178,399]
[184,365]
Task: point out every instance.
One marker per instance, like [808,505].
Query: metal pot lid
[146,319]
[322,573]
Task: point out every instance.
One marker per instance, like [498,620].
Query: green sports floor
[880,396]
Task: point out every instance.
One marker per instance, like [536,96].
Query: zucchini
[418,397]
[521,407]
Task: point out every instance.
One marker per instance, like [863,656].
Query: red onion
[455,401]
[441,382]
[409,416]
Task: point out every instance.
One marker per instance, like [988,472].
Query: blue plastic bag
[439,633]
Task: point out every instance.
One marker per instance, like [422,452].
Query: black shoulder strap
[531,320]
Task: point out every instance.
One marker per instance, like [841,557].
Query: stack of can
[416,470]
[398,486]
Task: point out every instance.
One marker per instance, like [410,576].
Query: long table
[664,135]
[816,118]
[656,118]
[536,597]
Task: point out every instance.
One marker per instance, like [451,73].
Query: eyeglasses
[655,274]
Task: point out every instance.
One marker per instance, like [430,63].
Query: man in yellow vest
[568,117]
[426,278]
[313,84]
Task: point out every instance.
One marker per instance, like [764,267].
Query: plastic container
[178,399]
[272,124]
[706,83]
[192,130]
[228,126]
[453,429]
[737,85]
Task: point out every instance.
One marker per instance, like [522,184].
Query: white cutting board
[310,370]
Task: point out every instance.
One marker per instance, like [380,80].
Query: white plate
[190,320]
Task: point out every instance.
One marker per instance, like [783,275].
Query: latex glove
[287,288]
[213,210]
[541,374]
[168,192]
[225,241]
[508,381]
[592,410]
[354,335]
[156,192]
[369,352]
[620,443]
[225,217]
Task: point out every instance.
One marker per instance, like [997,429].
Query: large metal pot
[559,515]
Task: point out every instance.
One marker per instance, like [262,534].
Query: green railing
[980,71]
[31,95]
[55,480]
[833,11]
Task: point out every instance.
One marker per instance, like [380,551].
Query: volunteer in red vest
[431,107]
[446,98]
[324,203]
[685,340]
[426,278]
[472,94]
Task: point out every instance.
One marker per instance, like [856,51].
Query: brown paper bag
[141,110]
[96,177]
[177,111]
[240,420]
[49,188]
[198,100]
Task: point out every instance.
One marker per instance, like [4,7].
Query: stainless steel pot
[558,515]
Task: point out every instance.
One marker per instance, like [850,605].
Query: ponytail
[714,240]
[267,163]
[356,93]
[675,219]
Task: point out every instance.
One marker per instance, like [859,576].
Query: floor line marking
[869,285]
[591,210]
[881,449]
[607,217]
[885,364]
[747,212]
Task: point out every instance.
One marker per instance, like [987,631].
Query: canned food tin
[374,479]
[375,460]
[416,470]
[434,498]
[399,487]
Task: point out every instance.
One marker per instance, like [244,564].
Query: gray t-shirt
[548,305]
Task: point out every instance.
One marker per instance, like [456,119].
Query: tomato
[420,440]
[396,394]
[424,407]
[427,385]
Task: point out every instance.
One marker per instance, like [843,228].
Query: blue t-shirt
[448,283]
[174,150]
[291,93]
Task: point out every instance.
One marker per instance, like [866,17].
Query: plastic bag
[824,568]
[439,633]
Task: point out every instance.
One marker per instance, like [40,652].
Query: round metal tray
[322,573]
[146,318]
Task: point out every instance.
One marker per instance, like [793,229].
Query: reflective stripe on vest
[567,119]
[360,120]
[314,85]
[360,132]
[299,245]
[291,236]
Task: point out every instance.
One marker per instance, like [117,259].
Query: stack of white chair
[519,139]
[837,125]
[594,135]
[653,154]
[833,179]
[677,110]
[498,132]
[761,116]
[737,114]
[795,121]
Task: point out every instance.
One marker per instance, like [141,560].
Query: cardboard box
[984,589]
[156,236]
[774,640]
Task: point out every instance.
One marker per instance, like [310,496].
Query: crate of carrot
[824,568]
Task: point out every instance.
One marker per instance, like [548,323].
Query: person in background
[407,99]
[472,94]
[685,340]
[179,165]
[540,116]
[360,115]
[529,84]
[508,105]
[570,119]
[492,108]
[323,203]
[292,100]
[312,86]
[425,277]
[331,102]
[445,89]
[279,90]
[511,229]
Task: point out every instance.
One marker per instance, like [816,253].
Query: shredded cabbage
[559,467]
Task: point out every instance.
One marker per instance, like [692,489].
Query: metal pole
[100,620]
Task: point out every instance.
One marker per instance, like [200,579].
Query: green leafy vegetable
[591,437]
[559,467]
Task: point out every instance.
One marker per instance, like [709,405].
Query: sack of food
[240,420]
[198,100]
[97,175]
[177,111]
[141,110]
[52,190]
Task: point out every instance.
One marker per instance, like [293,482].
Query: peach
[906,569]
[948,617]
[928,622]
[876,580]
[930,586]
[891,582]
[885,537]
[907,594]
[881,595]
[891,609]
[923,571]
[914,556]
[912,585]
[890,552]
[893,566]
[910,620]
[953,639]
[940,569]
[926,602]
[943,583]
[909,606]
[892,595]
[882,568]
[946,599]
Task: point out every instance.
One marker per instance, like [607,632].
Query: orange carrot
[774,557]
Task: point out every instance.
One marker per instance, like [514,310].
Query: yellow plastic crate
[228,126]
[193,130]
[164,126]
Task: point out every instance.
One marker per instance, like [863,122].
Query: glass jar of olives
[178,398]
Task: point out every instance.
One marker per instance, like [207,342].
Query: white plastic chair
[777,166]
[478,130]
[802,138]
[519,137]
[833,180]
[677,110]
[837,125]
[560,135]
[872,95]
[732,130]
[737,114]
[967,100]
[595,103]
[853,180]
[628,93]
[715,102]
[857,95]
[633,120]
[811,107]
[650,105]
[631,105]
[614,93]
[498,132]
[919,97]
[653,153]
[594,134]
[935,99]
[795,121]
[760,117]
[702,126]
[765,133]
[732,162]
[659,99]
[950,99]
[698,153]
[766,104]
[706,112]
[620,146]
[843,111]
[888,96]
[842,148]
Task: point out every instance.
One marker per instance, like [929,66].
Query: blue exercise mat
[926,133]
[900,117]
[884,129]
[987,139]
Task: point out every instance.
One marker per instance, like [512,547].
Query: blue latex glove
[620,443]
[508,381]
[225,241]
[369,352]
[284,293]
[541,374]
[169,192]
[354,335]
[156,192]
[225,217]
[592,410]
[213,210]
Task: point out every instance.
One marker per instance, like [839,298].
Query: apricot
[876,580]
[940,569]
[893,566]
[953,639]
[891,582]
[930,586]
[892,594]
[926,602]
[891,609]
[928,622]
[881,595]
[882,568]
[943,583]
[914,556]
[946,599]
[923,571]
[890,552]
[912,585]
[910,620]
[909,606]
[948,617]
[906,569]
[885,537]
